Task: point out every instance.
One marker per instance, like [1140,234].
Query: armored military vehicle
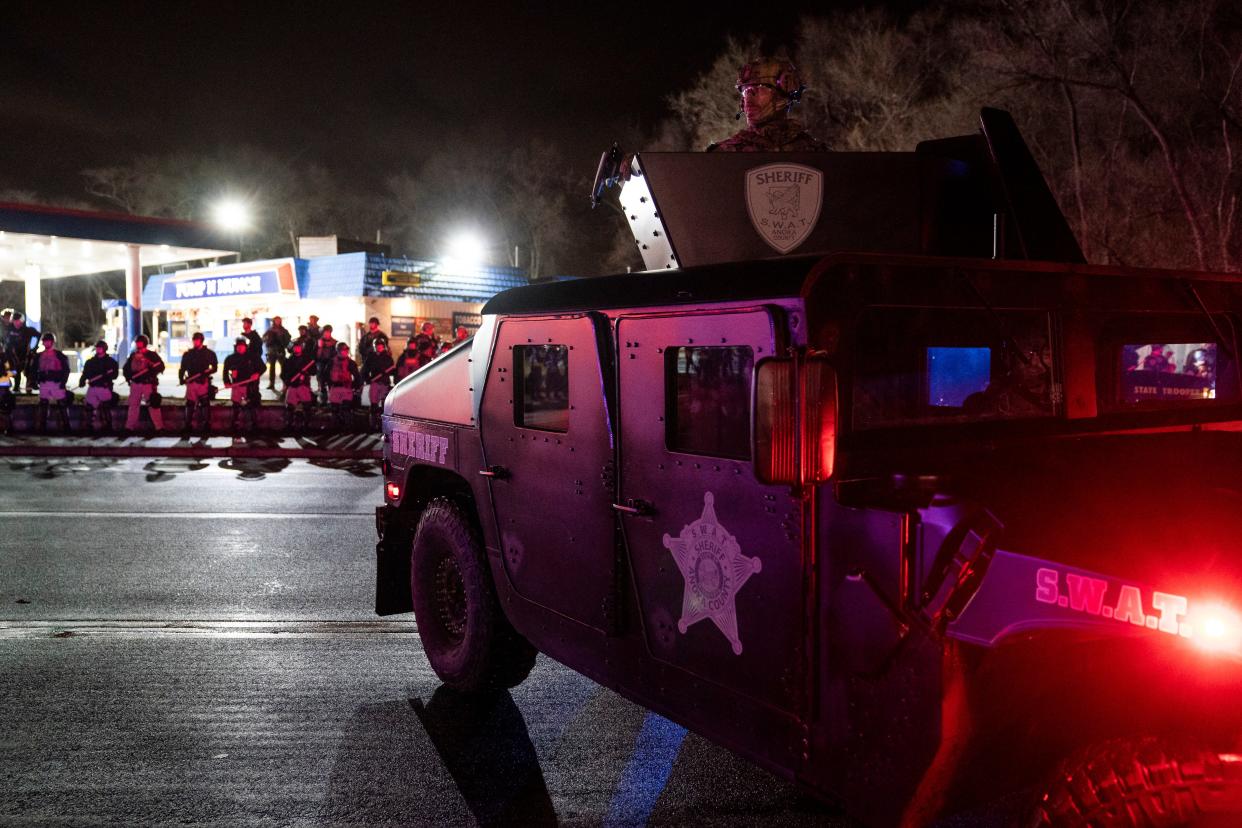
[869,478]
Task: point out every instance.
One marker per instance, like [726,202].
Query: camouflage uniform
[769,89]
[784,135]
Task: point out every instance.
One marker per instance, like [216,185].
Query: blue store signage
[234,284]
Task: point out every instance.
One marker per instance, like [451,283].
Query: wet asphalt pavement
[192,641]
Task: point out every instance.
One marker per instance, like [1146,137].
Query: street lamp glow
[231,214]
[467,249]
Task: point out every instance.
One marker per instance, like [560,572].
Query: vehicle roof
[739,281]
[804,275]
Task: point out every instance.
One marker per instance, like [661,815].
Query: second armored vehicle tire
[1143,783]
[467,639]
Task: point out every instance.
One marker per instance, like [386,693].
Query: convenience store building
[343,290]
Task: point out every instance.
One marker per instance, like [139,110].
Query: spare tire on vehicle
[468,641]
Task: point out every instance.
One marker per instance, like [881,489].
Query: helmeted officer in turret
[98,374]
[198,365]
[769,89]
[51,373]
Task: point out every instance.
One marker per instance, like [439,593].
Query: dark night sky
[365,89]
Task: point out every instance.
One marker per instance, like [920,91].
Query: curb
[366,449]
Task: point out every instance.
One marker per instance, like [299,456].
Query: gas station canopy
[38,243]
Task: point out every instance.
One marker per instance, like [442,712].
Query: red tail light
[393,491]
[819,413]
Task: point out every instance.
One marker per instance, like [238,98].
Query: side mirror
[794,427]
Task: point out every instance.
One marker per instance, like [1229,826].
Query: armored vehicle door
[715,553]
[547,444]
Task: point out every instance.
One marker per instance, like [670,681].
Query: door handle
[634,506]
[495,472]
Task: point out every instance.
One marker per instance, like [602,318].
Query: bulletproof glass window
[707,400]
[1164,360]
[918,366]
[542,395]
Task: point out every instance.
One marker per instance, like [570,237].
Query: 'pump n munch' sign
[225,282]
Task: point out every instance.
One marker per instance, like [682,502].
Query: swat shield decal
[784,202]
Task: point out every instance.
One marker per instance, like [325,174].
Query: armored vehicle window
[1178,372]
[707,400]
[1156,361]
[918,366]
[542,395]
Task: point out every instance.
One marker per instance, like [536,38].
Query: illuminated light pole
[466,251]
[233,216]
[133,297]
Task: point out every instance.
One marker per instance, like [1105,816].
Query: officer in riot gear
[254,343]
[142,370]
[409,360]
[51,373]
[242,372]
[276,343]
[366,345]
[769,88]
[325,352]
[198,365]
[98,374]
[343,383]
[377,370]
[296,374]
[313,333]
[19,347]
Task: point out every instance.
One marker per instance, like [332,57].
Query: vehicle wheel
[467,638]
[1147,782]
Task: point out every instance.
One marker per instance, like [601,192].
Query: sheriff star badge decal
[714,569]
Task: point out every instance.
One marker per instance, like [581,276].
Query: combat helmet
[780,75]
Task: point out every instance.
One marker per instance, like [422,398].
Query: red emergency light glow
[1216,628]
[392,490]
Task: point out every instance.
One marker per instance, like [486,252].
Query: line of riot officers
[340,379]
[50,375]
